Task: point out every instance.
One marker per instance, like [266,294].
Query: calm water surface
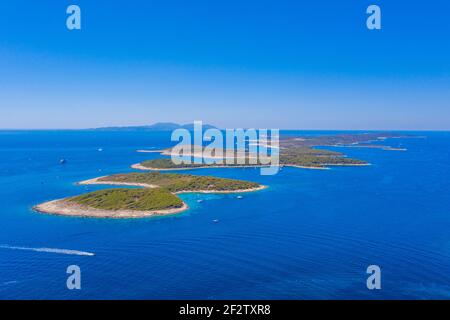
[311,234]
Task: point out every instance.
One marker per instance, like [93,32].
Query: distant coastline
[159,126]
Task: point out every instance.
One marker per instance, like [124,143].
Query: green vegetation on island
[302,156]
[146,199]
[182,182]
[308,157]
[299,151]
[158,193]
[345,139]
[166,163]
[155,197]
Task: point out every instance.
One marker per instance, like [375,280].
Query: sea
[312,234]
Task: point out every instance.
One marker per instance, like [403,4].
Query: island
[156,197]
[178,183]
[297,151]
[156,194]
[293,157]
[116,203]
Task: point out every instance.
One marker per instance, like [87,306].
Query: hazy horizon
[223,128]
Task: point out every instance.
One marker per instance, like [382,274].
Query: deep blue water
[311,234]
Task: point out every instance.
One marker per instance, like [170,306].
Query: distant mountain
[159,126]
[205,126]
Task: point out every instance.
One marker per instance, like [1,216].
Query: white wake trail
[50,250]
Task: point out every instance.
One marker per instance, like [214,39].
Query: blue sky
[269,64]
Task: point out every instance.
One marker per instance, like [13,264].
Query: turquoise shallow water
[311,234]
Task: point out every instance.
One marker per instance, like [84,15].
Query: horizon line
[118,128]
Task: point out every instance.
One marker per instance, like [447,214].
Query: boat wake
[50,250]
